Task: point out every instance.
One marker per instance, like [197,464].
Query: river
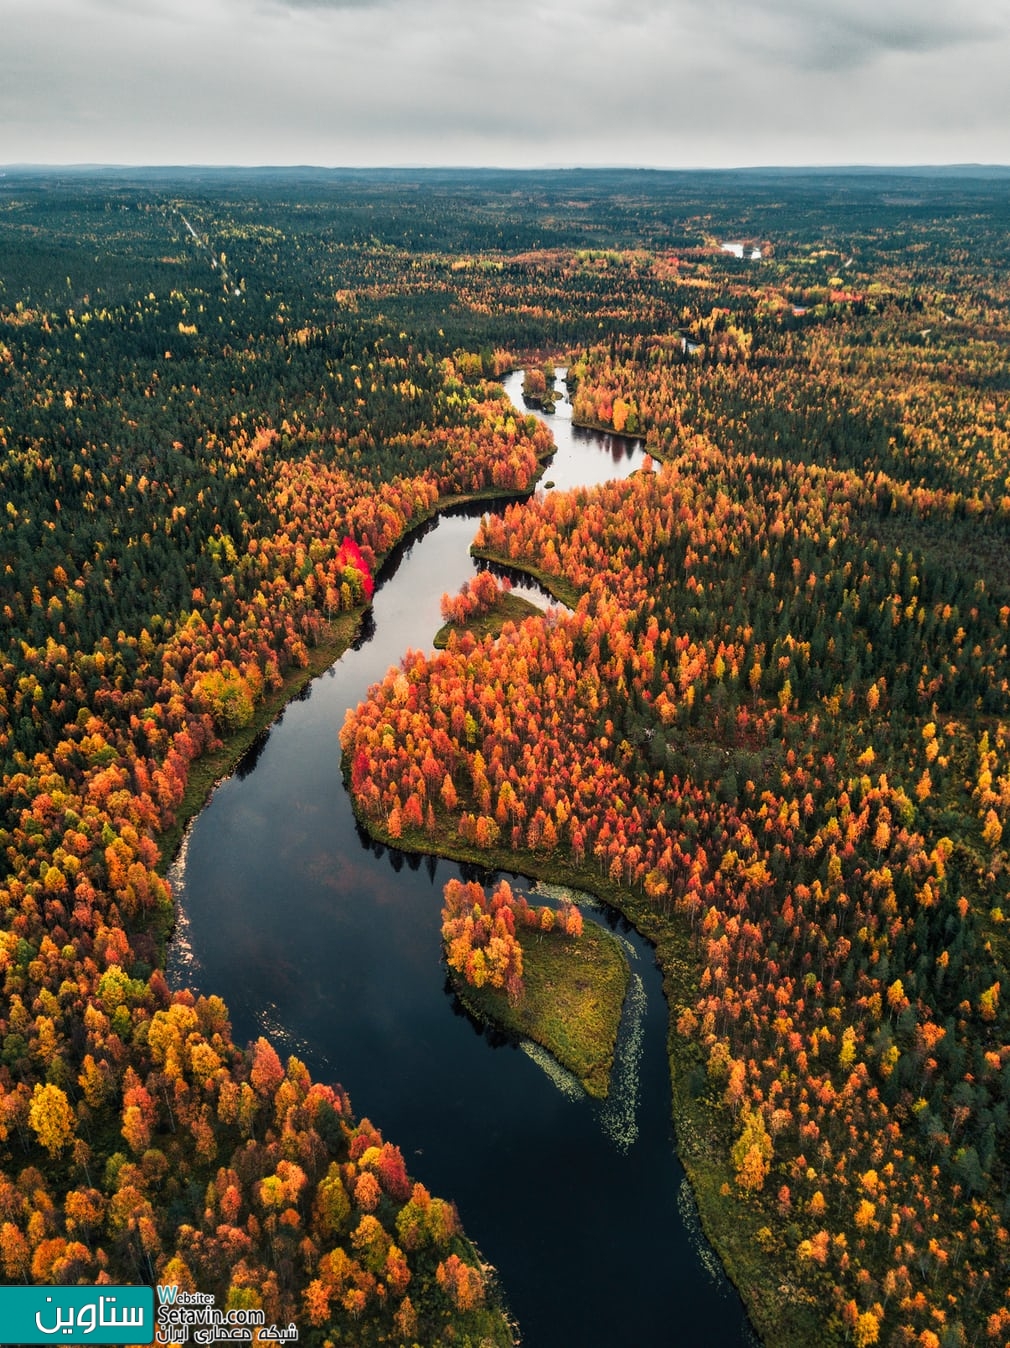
[330,945]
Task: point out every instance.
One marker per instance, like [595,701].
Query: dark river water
[330,945]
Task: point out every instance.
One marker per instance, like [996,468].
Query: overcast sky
[672,83]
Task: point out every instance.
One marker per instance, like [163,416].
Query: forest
[771,726]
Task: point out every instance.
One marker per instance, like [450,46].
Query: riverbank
[210,768]
[556,586]
[586,425]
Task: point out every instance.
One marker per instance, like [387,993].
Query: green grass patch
[575,988]
[509,608]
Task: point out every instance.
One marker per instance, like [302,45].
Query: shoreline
[609,430]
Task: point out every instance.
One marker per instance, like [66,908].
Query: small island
[538,388]
[483,606]
[539,973]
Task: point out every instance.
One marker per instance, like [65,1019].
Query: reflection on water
[621,450]
[522,585]
[247,763]
[366,631]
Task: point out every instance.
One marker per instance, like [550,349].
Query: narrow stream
[330,944]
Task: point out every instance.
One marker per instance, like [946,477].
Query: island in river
[538,972]
[572,1004]
[506,608]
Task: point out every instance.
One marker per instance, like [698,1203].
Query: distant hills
[316,173]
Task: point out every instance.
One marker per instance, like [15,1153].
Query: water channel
[330,945]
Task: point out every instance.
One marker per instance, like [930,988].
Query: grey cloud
[667,82]
[843,34]
[322,6]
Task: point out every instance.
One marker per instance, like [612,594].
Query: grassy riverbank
[575,989]
[748,1234]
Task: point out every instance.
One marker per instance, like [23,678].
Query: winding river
[330,944]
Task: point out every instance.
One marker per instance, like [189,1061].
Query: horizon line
[553,167]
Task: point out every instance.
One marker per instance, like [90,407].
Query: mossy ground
[575,988]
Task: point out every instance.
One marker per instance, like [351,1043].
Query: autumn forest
[766,719]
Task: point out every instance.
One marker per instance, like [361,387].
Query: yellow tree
[51,1118]
[752,1151]
[866,1330]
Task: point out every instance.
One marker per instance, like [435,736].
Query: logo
[76,1314]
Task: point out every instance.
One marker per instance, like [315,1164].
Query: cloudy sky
[674,83]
